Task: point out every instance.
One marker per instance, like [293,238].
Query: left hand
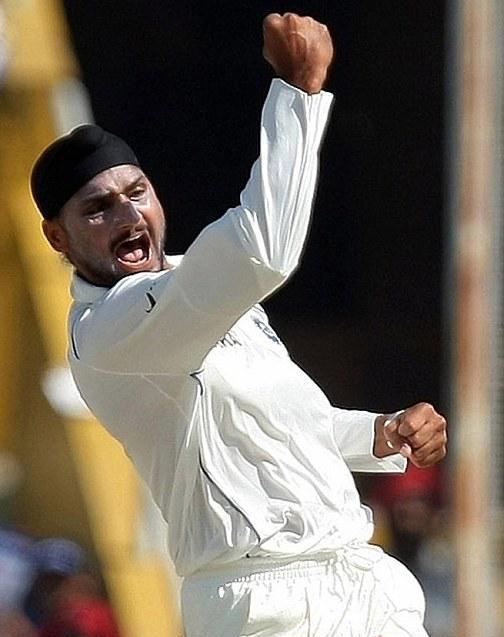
[418,433]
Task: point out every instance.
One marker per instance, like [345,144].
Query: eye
[95,214]
[137,193]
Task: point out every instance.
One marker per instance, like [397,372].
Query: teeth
[133,249]
[130,239]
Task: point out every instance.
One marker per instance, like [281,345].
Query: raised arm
[175,317]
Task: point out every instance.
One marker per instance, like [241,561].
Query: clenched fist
[418,433]
[299,49]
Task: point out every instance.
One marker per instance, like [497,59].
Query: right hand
[299,49]
[417,433]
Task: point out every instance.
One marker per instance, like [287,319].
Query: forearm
[276,204]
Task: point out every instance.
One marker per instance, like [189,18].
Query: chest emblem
[266,329]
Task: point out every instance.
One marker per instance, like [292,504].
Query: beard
[106,271]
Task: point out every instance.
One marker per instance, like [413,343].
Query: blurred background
[399,297]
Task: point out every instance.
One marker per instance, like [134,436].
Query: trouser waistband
[360,555]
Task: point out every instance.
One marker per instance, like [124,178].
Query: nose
[125,213]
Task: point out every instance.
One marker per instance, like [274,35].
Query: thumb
[393,439]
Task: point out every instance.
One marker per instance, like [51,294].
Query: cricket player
[246,458]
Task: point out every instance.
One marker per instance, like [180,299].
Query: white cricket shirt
[242,451]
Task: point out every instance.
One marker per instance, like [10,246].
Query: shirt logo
[264,327]
[152,302]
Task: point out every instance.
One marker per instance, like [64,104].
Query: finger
[433,428]
[410,425]
[431,431]
[435,443]
[417,416]
[405,450]
[430,460]
[272,19]
[394,441]
[422,435]
[291,17]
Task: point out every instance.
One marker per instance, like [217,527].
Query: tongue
[130,252]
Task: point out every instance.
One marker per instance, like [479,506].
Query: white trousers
[360,592]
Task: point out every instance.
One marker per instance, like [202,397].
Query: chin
[109,274]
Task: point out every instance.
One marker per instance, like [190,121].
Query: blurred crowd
[413,523]
[47,589]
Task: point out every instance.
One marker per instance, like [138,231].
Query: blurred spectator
[15,624]
[410,500]
[77,609]
[436,571]
[55,560]
[65,599]
[16,576]
[419,536]
[17,570]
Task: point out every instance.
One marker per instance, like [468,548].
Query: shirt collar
[84,292]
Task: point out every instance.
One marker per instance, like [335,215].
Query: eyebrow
[98,195]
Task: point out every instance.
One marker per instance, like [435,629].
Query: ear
[56,234]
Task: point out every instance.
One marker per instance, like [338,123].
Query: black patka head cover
[71,161]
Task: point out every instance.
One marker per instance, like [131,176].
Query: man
[247,460]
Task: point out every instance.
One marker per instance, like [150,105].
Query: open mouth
[133,250]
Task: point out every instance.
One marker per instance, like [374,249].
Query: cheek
[158,224]
[91,240]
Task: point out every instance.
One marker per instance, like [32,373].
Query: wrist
[380,447]
[383,445]
[309,81]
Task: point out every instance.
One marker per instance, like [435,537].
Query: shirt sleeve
[354,433]
[151,320]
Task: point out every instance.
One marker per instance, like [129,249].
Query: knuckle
[416,439]
[271,20]
[405,430]
[421,454]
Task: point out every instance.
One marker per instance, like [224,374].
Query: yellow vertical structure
[34,284]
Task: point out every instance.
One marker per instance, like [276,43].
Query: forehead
[110,180]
